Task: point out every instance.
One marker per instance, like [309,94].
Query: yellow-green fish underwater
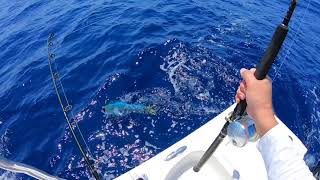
[120,108]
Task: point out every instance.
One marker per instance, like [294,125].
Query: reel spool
[242,131]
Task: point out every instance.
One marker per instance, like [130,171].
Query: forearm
[264,121]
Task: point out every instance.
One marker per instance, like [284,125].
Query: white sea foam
[194,70]
[4,140]
[313,134]
[8,176]
[174,63]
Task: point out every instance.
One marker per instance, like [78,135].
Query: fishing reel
[242,130]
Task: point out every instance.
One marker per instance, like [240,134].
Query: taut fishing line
[67,108]
[316,169]
[292,42]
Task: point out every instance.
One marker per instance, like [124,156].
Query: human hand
[258,94]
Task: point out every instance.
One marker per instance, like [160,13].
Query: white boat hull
[228,162]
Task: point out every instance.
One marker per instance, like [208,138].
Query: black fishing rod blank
[269,57]
[262,70]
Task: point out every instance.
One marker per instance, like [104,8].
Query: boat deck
[228,162]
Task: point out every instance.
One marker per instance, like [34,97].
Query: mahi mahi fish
[119,108]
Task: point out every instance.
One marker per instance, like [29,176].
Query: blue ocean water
[181,56]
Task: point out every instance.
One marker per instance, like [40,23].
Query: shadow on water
[178,79]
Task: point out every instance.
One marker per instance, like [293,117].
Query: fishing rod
[261,72]
[17,167]
[65,109]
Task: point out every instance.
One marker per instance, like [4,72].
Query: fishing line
[88,25]
[68,106]
[57,83]
[292,42]
[316,169]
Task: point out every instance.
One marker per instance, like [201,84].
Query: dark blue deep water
[183,57]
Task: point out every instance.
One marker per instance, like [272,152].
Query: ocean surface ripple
[181,57]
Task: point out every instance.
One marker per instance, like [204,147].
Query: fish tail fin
[151,110]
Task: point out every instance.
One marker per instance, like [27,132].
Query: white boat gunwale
[240,163]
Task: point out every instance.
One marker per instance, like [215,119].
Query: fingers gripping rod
[262,70]
[269,57]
